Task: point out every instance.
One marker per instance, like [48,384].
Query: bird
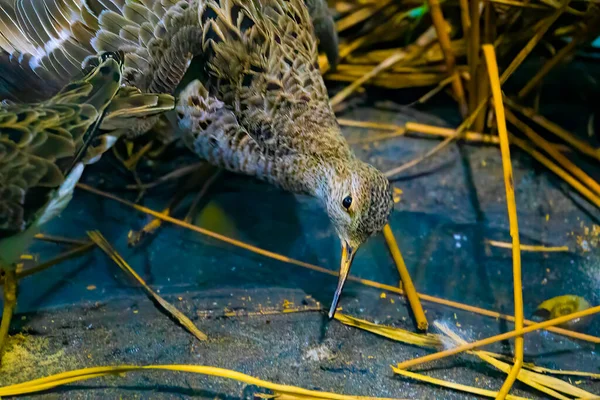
[44,148]
[260,107]
[257,60]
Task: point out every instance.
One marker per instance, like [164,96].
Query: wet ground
[86,312]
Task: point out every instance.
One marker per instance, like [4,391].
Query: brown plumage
[41,143]
[43,43]
[262,78]
[45,146]
[262,107]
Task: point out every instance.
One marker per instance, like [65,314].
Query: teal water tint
[442,241]
[450,205]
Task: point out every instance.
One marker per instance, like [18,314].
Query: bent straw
[64,378]
[282,258]
[67,255]
[498,338]
[97,237]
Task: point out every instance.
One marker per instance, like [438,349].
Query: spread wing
[41,143]
[44,42]
[38,142]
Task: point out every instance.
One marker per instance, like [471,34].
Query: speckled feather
[41,143]
[44,42]
[259,58]
[260,63]
[212,131]
[260,79]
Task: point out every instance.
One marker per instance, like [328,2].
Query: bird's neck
[317,176]
[311,129]
[319,153]
[308,172]
[315,156]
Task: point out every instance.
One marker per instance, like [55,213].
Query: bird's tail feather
[131,103]
[129,107]
[97,88]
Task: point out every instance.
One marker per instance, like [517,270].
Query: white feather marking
[94,159]
[111,140]
[51,45]
[55,43]
[34,62]
[62,196]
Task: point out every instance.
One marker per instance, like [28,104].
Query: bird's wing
[158,38]
[44,146]
[261,61]
[211,131]
[129,108]
[324,29]
[43,43]
[38,143]
[131,104]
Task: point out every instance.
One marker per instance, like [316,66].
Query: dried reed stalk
[557,130]
[282,258]
[408,285]
[582,189]
[64,378]
[172,310]
[492,68]
[498,338]
[441,28]
[527,247]
[554,153]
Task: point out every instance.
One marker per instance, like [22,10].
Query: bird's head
[359,201]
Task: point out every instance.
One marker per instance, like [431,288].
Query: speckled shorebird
[44,148]
[264,111]
[262,108]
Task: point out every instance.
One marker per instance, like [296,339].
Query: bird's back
[261,60]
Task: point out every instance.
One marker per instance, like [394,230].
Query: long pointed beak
[347,257]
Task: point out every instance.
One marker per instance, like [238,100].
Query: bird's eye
[347,202]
